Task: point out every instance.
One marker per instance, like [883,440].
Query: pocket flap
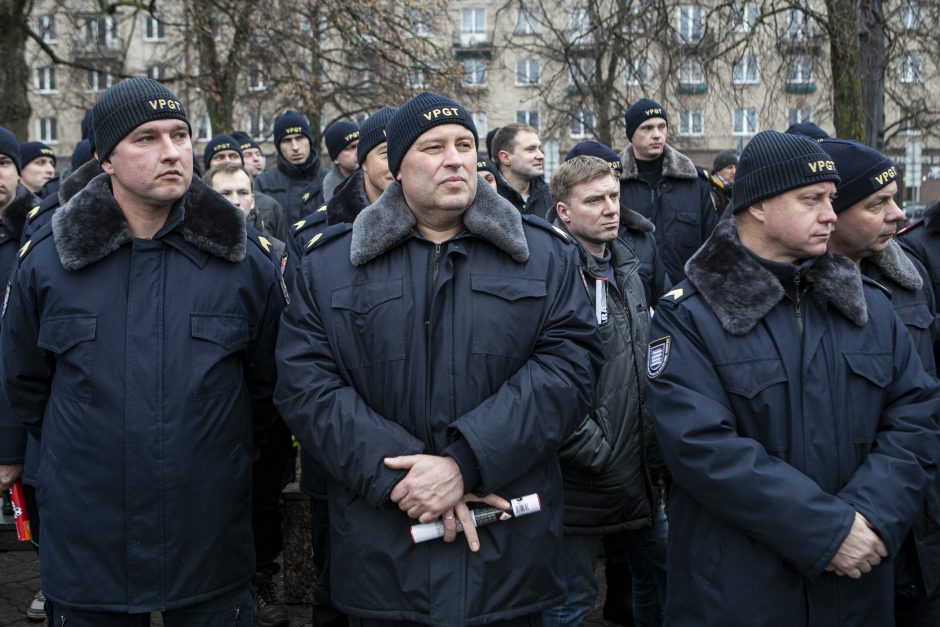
[228,331]
[361,298]
[61,333]
[508,288]
[876,367]
[749,378]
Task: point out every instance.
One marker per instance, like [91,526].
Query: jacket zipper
[796,305]
[435,266]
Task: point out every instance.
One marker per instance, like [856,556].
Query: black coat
[146,366]
[298,188]
[539,202]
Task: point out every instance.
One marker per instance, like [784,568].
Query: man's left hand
[432,486]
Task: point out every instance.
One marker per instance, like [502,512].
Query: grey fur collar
[91,225]
[348,200]
[932,218]
[897,266]
[741,292]
[77,180]
[388,222]
[675,165]
[14,215]
[634,221]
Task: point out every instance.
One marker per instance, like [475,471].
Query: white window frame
[474,73]
[44,79]
[799,24]
[638,71]
[473,21]
[691,123]
[800,70]
[47,29]
[746,71]
[911,15]
[256,78]
[203,127]
[636,21]
[417,75]
[420,21]
[154,29]
[532,118]
[582,124]
[744,122]
[691,72]
[690,23]
[528,72]
[156,71]
[528,21]
[97,80]
[481,121]
[93,26]
[911,68]
[259,126]
[581,71]
[47,130]
[799,115]
[745,16]
[579,26]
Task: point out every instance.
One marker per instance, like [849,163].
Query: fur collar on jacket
[897,266]
[91,225]
[675,165]
[77,180]
[14,216]
[388,222]
[932,218]
[349,199]
[741,291]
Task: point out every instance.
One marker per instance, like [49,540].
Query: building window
[97,80]
[745,16]
[156,72]
[474,73]
[417,75]
[911,14]
[203,128]
[636,19]
[256,80]
[798,116]
[691,72]
[44,79]
[99,31]
[579,22]
[799,25]
[481,122]
[47,130]
[528,21]
[420,22]
[581,71]
[691,123]
[690,23]
[527,72]
[153,29]
[745,71]
[259,126]
[638,71]
[745,122]
[582,124]
[800,70]
[911,69]
[473,21]
[528,117]
[47,29]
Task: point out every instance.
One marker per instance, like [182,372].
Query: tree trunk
[872,65]
[848,114]
[14,72]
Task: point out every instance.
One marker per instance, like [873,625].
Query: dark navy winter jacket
[144,366]
[298,188]
[775,438]
[393,345]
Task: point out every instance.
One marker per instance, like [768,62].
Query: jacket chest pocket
[72,340]
[368,321]
[867,377]
[687,230]
[217,340]
[506,314]
[758,393]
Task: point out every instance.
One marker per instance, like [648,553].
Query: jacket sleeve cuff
[466,460]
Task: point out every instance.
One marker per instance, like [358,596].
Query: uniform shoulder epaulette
[702,172]
[677,294]
[30,244]
[327,234]
[910,227]
[47,203]
[260,241]
[545,226]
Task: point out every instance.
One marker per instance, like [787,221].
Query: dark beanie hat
[489,140]
[291,122]
[218,144]
[31,151]
[10,148]
[863,171]
[245,141]
[724,159]
[641,111]
[485,165]
[773,163]
[807,129]
[81,155]
[372,132]
[128,104]
[338,136]
[416,117]
[88,128]
[596,149]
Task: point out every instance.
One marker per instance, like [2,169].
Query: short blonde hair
[578,170]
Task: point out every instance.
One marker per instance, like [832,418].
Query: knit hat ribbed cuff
[419,115]
[864,171]
[10,148]
[338,136]
[289,123]
[640,111]
[372,132]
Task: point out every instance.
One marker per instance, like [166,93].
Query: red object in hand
[23,534]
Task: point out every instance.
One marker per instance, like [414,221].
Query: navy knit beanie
[128,104]
[289,123]
[489,141]
[485,165]
[245,141]
[807,129]
[416,117]
[31,151]
[724,159]
[81,155]
[863,170]
[338,136]
[88,128]
[773,163]
[641,111]
[10,148]
[596,149]
[218,144]
[372,132]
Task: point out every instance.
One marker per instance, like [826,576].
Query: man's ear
[562,210]
[758,210]
[504,157]
[106,166]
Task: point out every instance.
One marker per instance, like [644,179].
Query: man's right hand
[8,474]
[861,550]
[462,513]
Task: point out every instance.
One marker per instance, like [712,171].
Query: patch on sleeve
[657,356]
[284,289]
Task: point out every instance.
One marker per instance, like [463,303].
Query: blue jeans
[645,549]
[576,564]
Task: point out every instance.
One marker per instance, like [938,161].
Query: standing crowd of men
[722,381]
